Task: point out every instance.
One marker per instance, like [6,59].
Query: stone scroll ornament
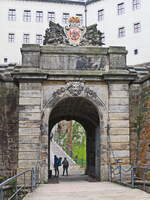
[74,34]
[76,89]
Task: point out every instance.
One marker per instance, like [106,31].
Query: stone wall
[8,128]
[140,122]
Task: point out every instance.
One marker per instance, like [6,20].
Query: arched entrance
[86,113]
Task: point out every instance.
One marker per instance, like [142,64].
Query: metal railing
[32,176]
[132,176]
[121,174]
[140,178]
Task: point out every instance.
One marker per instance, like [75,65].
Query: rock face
[89,84]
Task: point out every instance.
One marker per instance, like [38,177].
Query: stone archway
[77,102]
[83,111]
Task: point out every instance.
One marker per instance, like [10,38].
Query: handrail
[129,176]
[34,181]
[143,178]
[12,178]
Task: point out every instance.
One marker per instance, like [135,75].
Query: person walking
[65,164]
[59,164]
[56,165]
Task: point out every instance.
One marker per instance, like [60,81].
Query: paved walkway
[80,188]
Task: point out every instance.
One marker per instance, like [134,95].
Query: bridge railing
[132,176]
[28,179]
[141,178]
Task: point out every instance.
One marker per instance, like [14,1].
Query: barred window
[120,9]
[39,39]
[101,15]
[12,14]
[26,38]
[121,32]
[39,16]
[81,18]
[136,51]
[136,4]
[102,37]
[11,37]
[65,18]
[137,27]
[51,16]
[27,16]
[5,60]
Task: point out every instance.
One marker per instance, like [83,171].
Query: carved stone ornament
[58,92]
[74,31]
[55,34]
[92,36]
[92,95]
[74,34]
[75,88]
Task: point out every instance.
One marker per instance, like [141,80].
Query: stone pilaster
[29,125]
[119,121]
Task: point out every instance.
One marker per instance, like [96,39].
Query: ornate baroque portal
[77,80]
[75,101]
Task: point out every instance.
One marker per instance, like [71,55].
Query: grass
[79,154]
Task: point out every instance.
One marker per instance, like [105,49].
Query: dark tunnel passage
[85,112]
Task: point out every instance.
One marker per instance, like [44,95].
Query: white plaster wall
[112,22]
[19,27]
[109,25]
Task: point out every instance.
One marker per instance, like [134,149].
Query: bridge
[87,190]
[83,189]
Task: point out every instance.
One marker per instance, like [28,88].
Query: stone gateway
[49,87]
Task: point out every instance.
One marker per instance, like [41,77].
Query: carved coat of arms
[74,31]
[74,34]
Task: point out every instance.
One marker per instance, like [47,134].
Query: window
[65,18]
[39,16]
[11,37]
[120,9]
[26,38]
[102,37]
[39,39]
[137,27]
[12,15]
[51,16]
[27,16]
[136,4]
[5,60]
[100,15]
[135,51]
[121,32]
[81,18]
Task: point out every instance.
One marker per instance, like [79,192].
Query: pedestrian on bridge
[65,164]
[56,165]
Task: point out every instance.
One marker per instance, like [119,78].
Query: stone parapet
[73,58]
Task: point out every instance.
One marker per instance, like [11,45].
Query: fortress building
[122,23]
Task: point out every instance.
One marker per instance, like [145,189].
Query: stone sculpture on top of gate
[74,34]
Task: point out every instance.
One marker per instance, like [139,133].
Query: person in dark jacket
[65,164]
[56,165]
